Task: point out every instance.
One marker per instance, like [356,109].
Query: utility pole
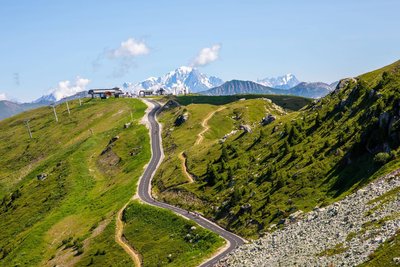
[80,102]
[55,113]
[29,129]
[69,113]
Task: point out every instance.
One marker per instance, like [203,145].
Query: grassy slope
[81,191]
[170,179]
[165,239]
[75,205]
[306,158]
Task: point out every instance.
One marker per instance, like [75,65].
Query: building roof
[111,90]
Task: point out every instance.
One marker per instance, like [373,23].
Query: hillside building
[106,93]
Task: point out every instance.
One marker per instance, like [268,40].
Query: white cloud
[3,96]
[130,48]
[67,88]
[123,56]
[207,55]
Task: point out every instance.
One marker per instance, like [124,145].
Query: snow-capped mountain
[64,89]
[183,79]
[282,82]
[50,98]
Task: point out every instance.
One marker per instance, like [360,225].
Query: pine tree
[224,154]
[211,175]
[318,120]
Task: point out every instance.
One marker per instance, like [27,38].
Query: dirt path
[204,123]
[183,164]
[119,238]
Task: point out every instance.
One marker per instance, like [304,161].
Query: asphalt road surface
[144,192]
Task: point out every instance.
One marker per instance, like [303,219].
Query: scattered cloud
[130,48]
[68,88]
[123,56]
[3,96]
[206,56]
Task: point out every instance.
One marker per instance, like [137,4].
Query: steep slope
[236,87]
[296,162]
[346,233]
[312,90]
[60,190]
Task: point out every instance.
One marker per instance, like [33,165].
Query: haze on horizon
[47,44]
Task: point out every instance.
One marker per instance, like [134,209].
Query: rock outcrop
[268,119]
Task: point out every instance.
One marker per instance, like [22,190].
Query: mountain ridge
[304,89]
[235,87]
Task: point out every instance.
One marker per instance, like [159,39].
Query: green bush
[381,158]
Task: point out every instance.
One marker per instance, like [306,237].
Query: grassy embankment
[165,239]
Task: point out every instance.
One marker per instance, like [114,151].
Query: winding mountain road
[144,191]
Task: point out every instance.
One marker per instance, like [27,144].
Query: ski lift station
[106,93]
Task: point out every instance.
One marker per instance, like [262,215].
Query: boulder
[268,119]
[113,140]
[295,216]
[246,128]
[343,83]
[42,176]
[181,119]
[246,207]
[396,260]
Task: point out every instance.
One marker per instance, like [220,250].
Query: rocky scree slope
[342,234]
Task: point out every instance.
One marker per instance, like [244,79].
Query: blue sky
[45,42]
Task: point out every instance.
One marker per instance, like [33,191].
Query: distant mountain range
[183,79]
[50,98]
[281,82]
[234,87]
[9,108]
